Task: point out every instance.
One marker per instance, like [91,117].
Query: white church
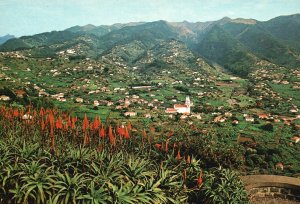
[181,108]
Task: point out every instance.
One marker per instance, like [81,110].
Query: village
[111,87]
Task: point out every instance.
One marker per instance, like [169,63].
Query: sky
[28,17]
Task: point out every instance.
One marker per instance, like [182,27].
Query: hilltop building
[181,108]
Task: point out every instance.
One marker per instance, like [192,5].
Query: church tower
[188,104]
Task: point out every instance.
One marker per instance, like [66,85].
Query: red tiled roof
[170,110]
[180,106]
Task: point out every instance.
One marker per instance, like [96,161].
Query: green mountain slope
[42,39]
[221,47]
[285,28]
[261,42]
[5,38]
[148,33]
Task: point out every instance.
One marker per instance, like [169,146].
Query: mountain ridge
[5,38]
[234,44]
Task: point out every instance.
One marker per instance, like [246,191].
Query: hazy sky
[26,17]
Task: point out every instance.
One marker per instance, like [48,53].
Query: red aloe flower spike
[144,134]
[51,119]
[126,135]
[96,124]
[111,136]
[16,113]
[166,146]
[188,160]
[73,125]
[178,156]
[102,132]
[42,112]
[158,146]
[85,124]
[200,180]
[59,123]
[129,126]
[42,124]
[3,110]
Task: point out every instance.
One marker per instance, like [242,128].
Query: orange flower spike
[158,146]
[167,146]
[200,180]
[111,136]
[73,123]
[178,156]
[51,119]
[42,124]
[188,160]
[96,124]
[126,135]
[3,110]
[59,123]
[16,113]
[102,132]
[85,124]
[184,174]
[129,126]
[42,112]
[144,134]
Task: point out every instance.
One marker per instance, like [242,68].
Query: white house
[4,98]
[96,103]
[130,114]
[79,100]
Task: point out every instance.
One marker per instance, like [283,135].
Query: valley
[226,92]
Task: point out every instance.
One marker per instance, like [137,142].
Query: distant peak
[244,21]
[225,19]
[161,21]
[89,26]
[9,36]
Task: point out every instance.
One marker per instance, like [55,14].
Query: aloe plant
[223,186]
[37,186]
[96,194]
[68,188]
